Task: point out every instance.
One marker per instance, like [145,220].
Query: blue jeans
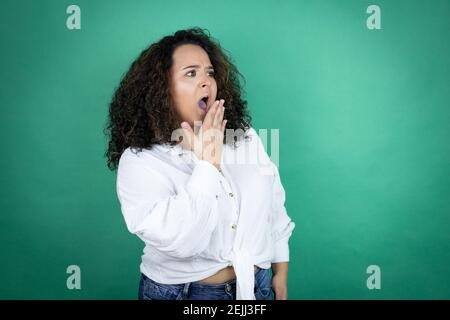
[152,290]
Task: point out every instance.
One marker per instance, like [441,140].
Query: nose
[205,81]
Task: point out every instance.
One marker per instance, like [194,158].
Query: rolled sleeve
[205,178]
[282,224]
[178,222]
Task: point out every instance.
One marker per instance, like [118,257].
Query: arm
[282,227]
[279,280]
[178,224]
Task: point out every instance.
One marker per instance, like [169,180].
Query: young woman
[208,205]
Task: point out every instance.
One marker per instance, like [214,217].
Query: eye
[211,73]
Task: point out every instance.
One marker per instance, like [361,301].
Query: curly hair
[141,112]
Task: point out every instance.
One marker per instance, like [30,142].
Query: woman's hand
[207,144]
[279,286]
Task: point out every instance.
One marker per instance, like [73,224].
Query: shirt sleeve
[179,223]
[282,225]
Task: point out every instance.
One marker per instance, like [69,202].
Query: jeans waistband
[201,285]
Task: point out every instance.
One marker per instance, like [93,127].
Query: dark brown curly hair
[141,112]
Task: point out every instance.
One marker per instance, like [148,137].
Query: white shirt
[196,220]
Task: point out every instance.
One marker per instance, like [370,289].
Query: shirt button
[233,226]
[217,197]
[231,194]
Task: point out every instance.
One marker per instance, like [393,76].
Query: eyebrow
[196,66]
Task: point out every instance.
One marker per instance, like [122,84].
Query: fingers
[219,115]
[186,126]
[208,120]
[188,134]
[214,117]
[224,124]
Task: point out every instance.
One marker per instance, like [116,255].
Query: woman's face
[191,79]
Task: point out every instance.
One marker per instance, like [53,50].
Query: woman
[212,218]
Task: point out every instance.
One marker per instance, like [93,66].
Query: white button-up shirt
[196,220]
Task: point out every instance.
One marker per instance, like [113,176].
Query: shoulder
[239,137]
[252,138]
[140,157]
[142,166]
[257,143]
[251,132]
[130,155]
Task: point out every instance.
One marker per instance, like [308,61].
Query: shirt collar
[171,149]
[178,150]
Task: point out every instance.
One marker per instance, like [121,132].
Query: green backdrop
[364,139]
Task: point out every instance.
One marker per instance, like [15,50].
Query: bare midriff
[223,275]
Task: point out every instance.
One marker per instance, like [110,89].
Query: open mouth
[203,103]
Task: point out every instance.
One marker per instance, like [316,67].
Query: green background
[364,139]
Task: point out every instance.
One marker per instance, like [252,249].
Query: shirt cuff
[281,251]
[205,178]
